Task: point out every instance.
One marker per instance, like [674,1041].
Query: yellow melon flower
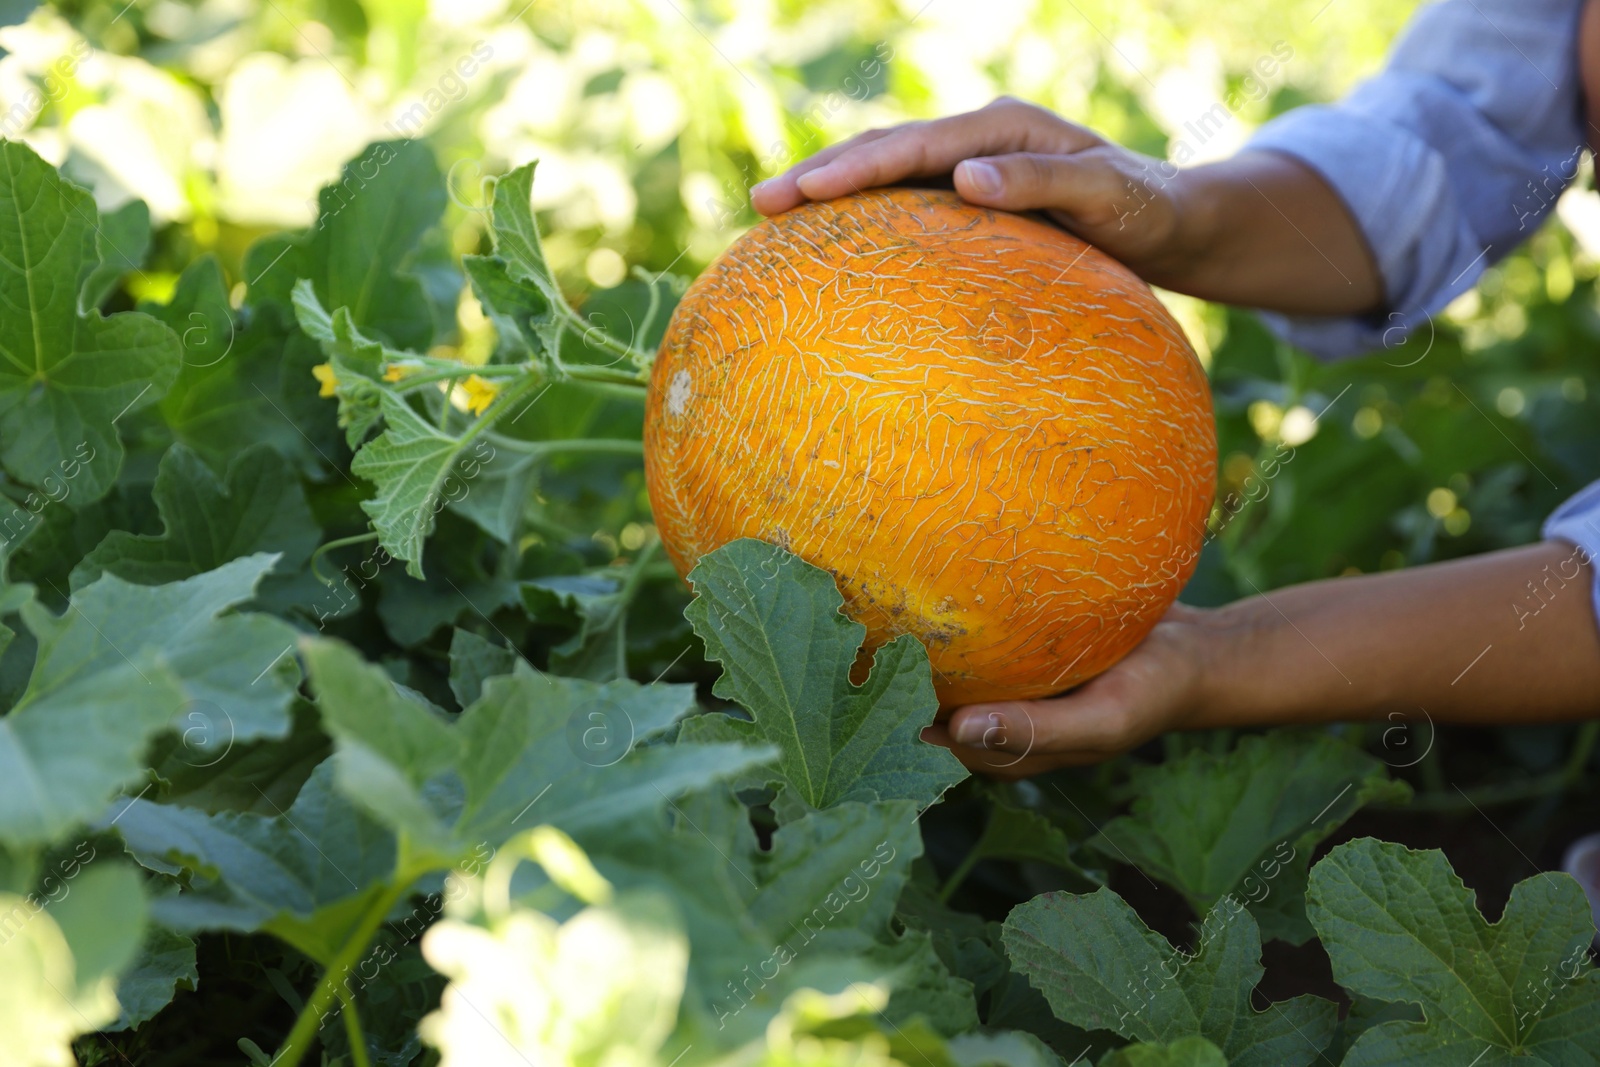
[323,372]
[394,372]
[480,393]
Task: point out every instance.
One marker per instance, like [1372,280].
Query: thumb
[1087,186]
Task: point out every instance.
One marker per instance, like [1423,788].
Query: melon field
[354,710]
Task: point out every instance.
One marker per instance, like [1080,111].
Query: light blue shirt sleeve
[1448,159]
[1578,521]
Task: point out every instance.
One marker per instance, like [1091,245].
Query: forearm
[1263,230]
[1503,637]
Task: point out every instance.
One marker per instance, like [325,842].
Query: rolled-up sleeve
[1447,159]
[1578,522]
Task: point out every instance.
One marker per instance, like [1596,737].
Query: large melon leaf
[774,623]
[1102,968]
[66,379]
[1400,927]
[1245,823]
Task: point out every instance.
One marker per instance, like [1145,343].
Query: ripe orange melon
[992,434]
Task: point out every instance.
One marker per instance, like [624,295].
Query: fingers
[922,149]
[779,194]
[1007,765]
[1088,186]
[1078,722]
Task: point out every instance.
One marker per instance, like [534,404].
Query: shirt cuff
[1397,189]
[1578,521]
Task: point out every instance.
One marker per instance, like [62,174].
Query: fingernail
[982,176]
[758,186]
[974,728]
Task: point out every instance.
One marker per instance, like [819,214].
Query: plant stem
[959,875]
[352,1029]
[632,383]
[323,549]
[606,343]
[612,445]
[461,370]
[1553,783]
[630,589]
[632,391]
[310,1018]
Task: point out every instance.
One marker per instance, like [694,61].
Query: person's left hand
[1157,687]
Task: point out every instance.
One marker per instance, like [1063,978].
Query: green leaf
[102,916]
[458,585]
[412,463]
[67,750]
[304,874]
[387,745]
[473,661]
[516,287]
[968,944]
[923,987]
[48,996]
[164,964]
[524,322]
[1185,1052]
[369,224]
[563,751]
[62,536]
[1399,926]
[533,748]
[763,924]
[598,650]
[235,669]
[357,361]
[65,378]
[209,521]
[121,241]
[774,622]
[500,491]
[1004,1048]
[260,776]
[1101,968]
[818,865]
[230,388]
[1021,834]
[1246,822]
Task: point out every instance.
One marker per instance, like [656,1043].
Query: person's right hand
[1015,156]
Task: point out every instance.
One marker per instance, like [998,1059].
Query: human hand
[1015,156]
[1161,685]
[1260,229]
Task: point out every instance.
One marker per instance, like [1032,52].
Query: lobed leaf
[516,287]
[257,506]
[235,670]
[774,623]
[369,224]
[303,874]
[1400,927]
[1246,823]
[1101,968]
[65,378]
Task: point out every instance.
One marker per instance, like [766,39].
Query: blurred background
[651,118]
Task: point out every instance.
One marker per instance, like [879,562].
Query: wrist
[1230,645]
[1196,232]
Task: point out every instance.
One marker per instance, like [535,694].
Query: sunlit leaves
[65,378]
